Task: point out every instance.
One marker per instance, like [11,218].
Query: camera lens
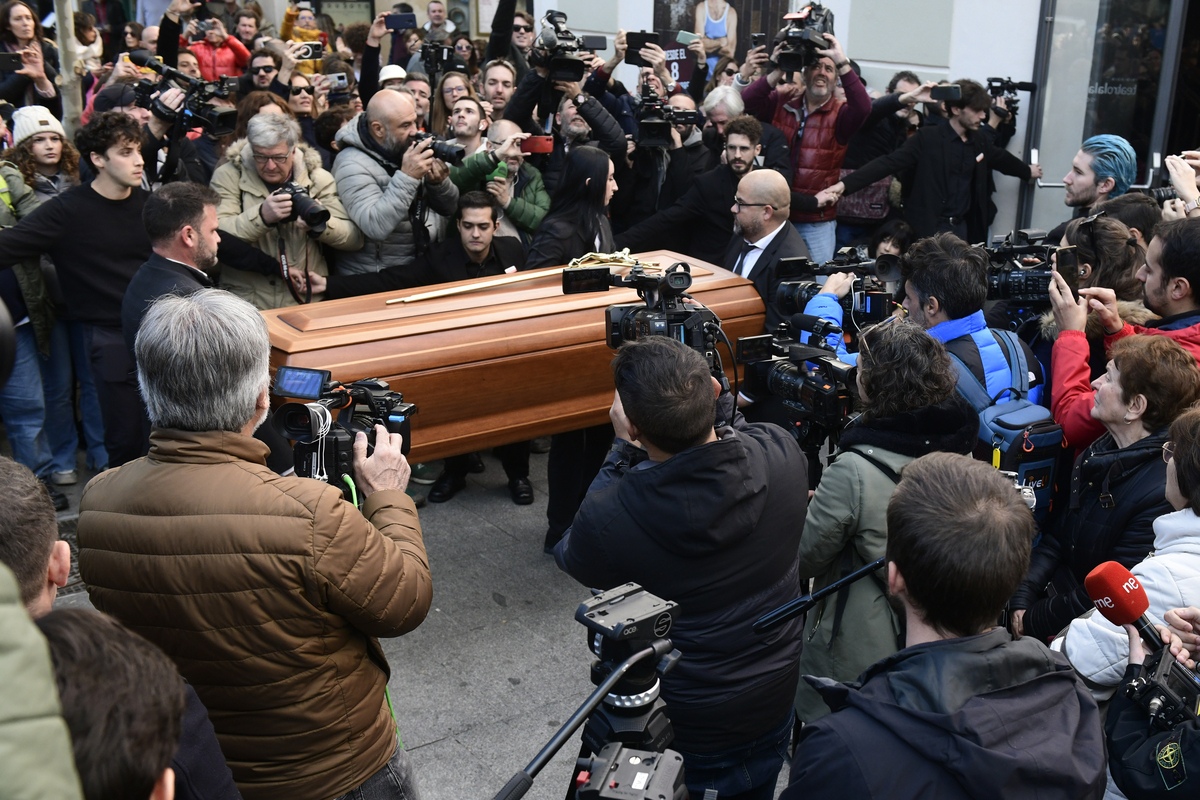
[786,380]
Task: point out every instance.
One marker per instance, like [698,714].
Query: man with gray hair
[724,103]
[266,591]
[257,183]
[387,181]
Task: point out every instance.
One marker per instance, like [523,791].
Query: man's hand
[1017,623]
[181,8]
[386,468]
[124,71]
[173,99]
[217,33]
[317,282]
[697,49]
[676,139]
[1173,210]
[919,94]
[418,160]
[839,283]
[288,62]
[510,147]
[1104,302]
[827,197]
[755,60]
[1183,179]
[1035,171]
[654,55]
[834,52]
[378,30]
[620,45]
[1069,314]
[1137,650]
[619,421]
[1185,624]
[498,188]
[438,172]
[570,89]
[276,207]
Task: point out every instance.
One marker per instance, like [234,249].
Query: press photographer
[275,196]
[158,147]
[711,518]
[387,177]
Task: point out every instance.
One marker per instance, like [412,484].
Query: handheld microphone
[817,325]
[1119,596]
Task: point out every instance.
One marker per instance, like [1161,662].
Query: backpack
[1015,435]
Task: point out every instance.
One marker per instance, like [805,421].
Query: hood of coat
[1178,532]
[241,157]
[1132,311]
[951,426]
[705,499]
[944,699]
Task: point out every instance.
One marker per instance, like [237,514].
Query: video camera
[439,58]
[1008,88]
[803,36]
[1167,690]
[869,300]
[655,118]
[820,400]
[324,445]
[555,45]
[197,108]
[663,313]
[1019,271]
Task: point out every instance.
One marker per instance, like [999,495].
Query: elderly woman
[1117,484]
[910,408]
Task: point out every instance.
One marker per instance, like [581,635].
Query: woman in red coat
[220,54]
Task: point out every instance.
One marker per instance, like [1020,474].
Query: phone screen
[1067,265]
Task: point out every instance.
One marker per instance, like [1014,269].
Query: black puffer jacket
[714,528]
[1116,494]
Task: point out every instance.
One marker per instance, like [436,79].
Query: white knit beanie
[32,120]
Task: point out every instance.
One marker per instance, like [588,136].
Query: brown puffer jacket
[267,591]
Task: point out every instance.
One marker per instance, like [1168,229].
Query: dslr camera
[555,47]
[655,118]
[314,214]
[443,150]
[869,300]
[1008,88]
[663,312]
[197,108]
[803,36]
[324,444]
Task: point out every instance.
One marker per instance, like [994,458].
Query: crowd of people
[237,600]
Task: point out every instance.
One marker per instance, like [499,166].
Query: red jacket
[230,58]
[1188,338]
[1071,394]
[817,162]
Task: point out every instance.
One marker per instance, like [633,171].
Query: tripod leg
[571,790]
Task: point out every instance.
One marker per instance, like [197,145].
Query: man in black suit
[476,252]
[761,208]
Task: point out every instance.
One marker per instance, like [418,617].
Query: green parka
[20,203]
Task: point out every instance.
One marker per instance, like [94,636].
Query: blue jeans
[848,234]
[89,401]
[57,388]
[23,407]
[393,781]
[820,237]
[748,772]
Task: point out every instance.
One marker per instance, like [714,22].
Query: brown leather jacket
[268,593]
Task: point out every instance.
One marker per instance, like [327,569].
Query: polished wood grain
[485,368]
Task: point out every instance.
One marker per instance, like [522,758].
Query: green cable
[387,696]
[353,489]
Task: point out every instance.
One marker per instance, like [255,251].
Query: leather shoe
[475,463]
[550,541]
[445,487]
[521,491]
[60,501]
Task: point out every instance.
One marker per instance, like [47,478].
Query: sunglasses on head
[257,70]
[296,90]
[522,29]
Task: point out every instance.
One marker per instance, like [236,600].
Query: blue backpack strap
[1019,365]
[969,386]
[998,378]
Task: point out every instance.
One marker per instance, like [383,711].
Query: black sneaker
[61,503]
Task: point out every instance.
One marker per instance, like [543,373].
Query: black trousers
[513,457]
[575,459]
[126,429]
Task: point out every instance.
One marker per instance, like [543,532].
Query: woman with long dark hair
[34,83]
[452,87]
[577,224]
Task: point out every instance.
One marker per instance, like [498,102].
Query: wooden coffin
[494,366]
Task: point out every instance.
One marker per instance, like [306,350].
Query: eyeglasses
[296,90]
[257,70]
[522,29]
[1168,449]
[454,89]
[280,160]
[742,204]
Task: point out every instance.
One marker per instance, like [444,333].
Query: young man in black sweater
[95,235]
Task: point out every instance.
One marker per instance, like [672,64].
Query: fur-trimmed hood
[302,168]
[1131,311]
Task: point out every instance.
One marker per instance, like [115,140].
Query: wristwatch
[579,98]
[1188,208]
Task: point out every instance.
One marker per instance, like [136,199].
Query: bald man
[760,210]
[378,171]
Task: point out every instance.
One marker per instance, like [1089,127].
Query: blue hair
[1112,157]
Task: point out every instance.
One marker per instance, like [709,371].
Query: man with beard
[469,123]
[1105,167]
[949,190]
[382,179]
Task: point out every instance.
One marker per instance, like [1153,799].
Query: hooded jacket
[242,194]
[846,529]
[377,196]
[983,717]
[714,528]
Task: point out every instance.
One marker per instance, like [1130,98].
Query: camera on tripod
[869,300]
[314,214]
[1167,690]
[663,313]
[450,153]
[439,58]
[324,445]
[655,118]
[555,47]
[197,108]
[819,400]
[1008,88]
[803,36]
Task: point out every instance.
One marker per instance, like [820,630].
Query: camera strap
[285,271]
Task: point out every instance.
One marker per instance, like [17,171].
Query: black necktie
[746,248]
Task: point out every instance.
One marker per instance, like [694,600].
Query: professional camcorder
[1008,88]
[664,312]
[819,400]
[324,446]
[314,214]
[555,46]
[869,300]
[1020,272]
[655,118]
[197,108]
[440,58]
[804,36]
[1167,690]
[450,153]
